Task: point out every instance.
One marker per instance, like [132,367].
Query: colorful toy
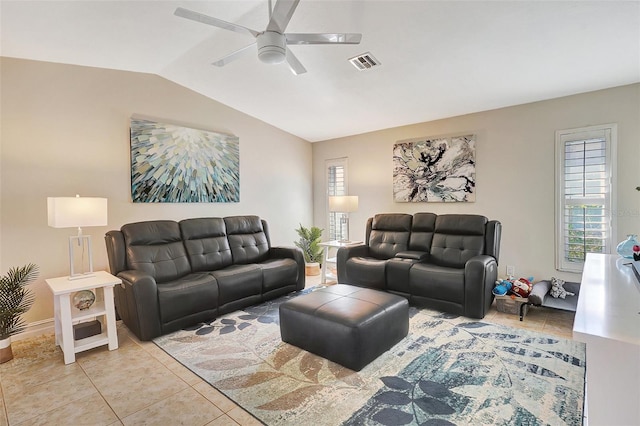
[636,252]
[522,287]
[516,288]
[502,287]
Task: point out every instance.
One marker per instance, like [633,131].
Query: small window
[336,185]
[585,191]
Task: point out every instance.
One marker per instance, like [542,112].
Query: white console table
[608,321]
[66,314]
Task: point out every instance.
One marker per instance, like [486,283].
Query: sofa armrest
[420,256]
[361,250]
[344,253]
[137,304]
[291,253]
[480,274]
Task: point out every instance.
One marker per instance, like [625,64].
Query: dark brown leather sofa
[176,274]
[445,262]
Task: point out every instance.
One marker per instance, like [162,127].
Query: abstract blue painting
[435,170]
[175,164]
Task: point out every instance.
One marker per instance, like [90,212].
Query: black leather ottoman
[348,325]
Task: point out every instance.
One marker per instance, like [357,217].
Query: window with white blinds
[584,186]
[336,185]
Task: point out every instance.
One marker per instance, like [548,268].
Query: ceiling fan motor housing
[272,47]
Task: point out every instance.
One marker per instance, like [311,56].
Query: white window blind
[584,186]
[336,185]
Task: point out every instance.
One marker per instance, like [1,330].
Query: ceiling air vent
[364,61]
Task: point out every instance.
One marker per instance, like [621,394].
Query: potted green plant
[15,300]
[309,242]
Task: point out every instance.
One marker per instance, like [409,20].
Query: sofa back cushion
[205,240]
[156,248]
[389,234]
[458,238]
[422,229]
[248,239]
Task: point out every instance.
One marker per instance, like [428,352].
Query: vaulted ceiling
[438,58]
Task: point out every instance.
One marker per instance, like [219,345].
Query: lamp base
[84,242]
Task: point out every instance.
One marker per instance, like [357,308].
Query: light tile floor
[139,384]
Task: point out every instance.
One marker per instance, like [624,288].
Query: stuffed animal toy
[557,289]
[522,287]
[502,287]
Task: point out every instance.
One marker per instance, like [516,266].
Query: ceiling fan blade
[326,38]
[282,13]
[232,56]
[294,64]
[199,17]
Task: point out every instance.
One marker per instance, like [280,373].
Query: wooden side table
[66,315]
[331,258]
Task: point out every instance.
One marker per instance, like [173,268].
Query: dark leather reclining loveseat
[447,262]
[176,274]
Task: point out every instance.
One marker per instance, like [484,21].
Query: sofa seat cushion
[437,282]
[367,272]
[277,273]
[190,294]
[237,282]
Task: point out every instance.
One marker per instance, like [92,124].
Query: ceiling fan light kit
[272,47]
[272,42]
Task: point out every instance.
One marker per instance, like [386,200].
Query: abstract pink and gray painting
[435,170]
[175,164]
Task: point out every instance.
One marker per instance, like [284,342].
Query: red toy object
[522,287]
[636,253]
[636,248]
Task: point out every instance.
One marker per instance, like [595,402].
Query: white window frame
[610,134]
[335,217]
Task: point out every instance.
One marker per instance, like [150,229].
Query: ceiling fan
[272,42]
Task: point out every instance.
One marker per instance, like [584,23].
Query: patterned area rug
[448,370]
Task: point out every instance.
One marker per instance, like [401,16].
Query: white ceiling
[439,59]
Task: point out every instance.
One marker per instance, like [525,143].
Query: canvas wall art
[435,170]
[175,164]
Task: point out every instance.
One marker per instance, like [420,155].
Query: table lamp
[343,204]
[77,212]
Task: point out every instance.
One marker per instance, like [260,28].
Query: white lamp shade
[343,203]
[76,212]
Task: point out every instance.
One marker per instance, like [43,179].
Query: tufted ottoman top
[346,324]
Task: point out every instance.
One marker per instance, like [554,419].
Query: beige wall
[65,130]
[514,172]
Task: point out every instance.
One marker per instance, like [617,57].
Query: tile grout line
[189,386]
[98,391]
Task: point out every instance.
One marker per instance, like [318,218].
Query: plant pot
[6,354]
[312,268]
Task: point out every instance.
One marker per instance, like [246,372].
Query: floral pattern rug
[448,370]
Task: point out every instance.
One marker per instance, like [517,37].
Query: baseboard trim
[35,329]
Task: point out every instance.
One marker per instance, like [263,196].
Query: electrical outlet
[511,270]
